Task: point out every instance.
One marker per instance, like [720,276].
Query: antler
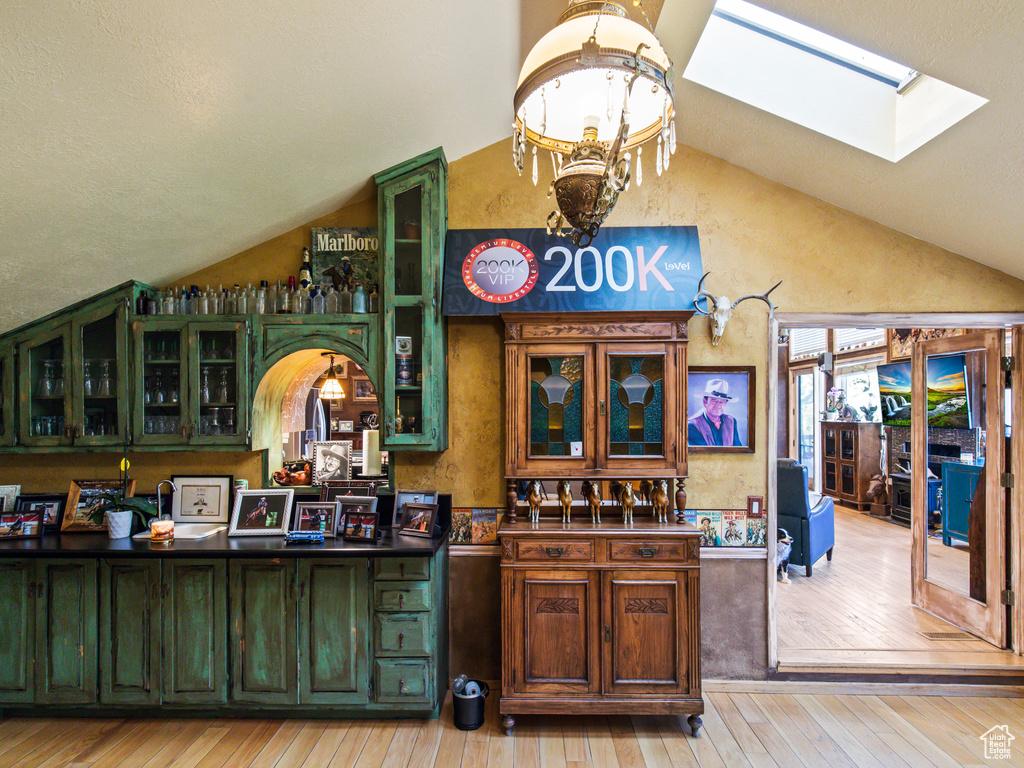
[762,296]
[702,294]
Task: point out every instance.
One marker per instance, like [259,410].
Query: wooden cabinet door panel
[130,632]
[646,630]
[557,647]
[66,631]
[333,631]
[264,663]
[17,629]
[195,631]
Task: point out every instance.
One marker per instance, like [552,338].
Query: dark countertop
[55,545]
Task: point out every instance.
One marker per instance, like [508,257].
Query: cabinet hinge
[1006,480]
[1006,597]
[1008,363]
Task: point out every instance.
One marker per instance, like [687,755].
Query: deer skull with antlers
[719,309]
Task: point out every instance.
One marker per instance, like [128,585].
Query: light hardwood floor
[741,730]
[858,606]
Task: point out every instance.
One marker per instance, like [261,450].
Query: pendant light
[592,89]
[331,388]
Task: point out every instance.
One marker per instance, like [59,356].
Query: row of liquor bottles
[264,299]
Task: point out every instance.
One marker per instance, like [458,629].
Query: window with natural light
[820,82]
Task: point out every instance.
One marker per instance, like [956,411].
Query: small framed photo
[8,495]
[330,491]
[320,516]
[201,498]
[358,518]
[418,519]
[332,461]
[261,512]
[49,505]
[83,497]
[412,497]
[20,525]
[720,409]
[346,426]
[363,391]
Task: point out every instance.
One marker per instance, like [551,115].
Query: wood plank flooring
[857,607]
[741,730]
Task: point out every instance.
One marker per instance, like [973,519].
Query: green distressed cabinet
[17,629]
[66,608]
[130,632]
[7,426]
[412,216]
[195,631]
[193,381]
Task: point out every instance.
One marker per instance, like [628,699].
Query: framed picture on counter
[417,519]
[201,498]
[358,519]
[50,505]
[8,495]
[330,491]
[261,512]
[83,498]
[332,461]
[320,516]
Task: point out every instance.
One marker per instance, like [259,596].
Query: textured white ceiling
[143,139]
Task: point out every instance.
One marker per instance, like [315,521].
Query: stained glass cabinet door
[637,396]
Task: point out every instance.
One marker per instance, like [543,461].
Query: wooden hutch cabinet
[849,456]
[600,617]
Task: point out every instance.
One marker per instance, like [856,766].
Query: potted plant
[118,508]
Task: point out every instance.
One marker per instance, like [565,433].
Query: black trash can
[469,710]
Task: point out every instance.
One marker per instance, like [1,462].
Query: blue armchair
[813,528]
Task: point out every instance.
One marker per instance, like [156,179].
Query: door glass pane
[846,441]
[218,379]
[556,406]
[409,370]
[956,542]
[805,422]
[162,395]
[408,242]
[46,404]
[849,481]
[3,404]
[636,405]
[830,443]
[830,476]
[98,377]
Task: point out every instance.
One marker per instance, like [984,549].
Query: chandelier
[592,90]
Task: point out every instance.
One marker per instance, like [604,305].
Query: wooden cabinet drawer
[682,551]
[402,568]
[401,634]
[396,596]
[402,680]
[555,550]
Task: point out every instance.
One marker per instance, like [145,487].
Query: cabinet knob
[401,570]
[647,551]
[401,600]
[401,640]
[401,685]
[554,551]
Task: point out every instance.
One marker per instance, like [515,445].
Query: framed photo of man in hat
[720,409]
[331,461]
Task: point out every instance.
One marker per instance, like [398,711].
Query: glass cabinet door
[847,439]
[559,407]
[830,442]
[218,360]
[161,391]
[45,415]
[99,376]
[7,396]
[414,388]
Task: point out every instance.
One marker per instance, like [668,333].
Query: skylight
[823,83]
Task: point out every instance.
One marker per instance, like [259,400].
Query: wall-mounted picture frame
[320,516]
[21,525]
[346,426]
[330,491]
[83,496]
[417,519]
[8,495]
[343,253]
[201,498]
[49,505]
[900,341]
[332,461]
[363,391]
[261,512]
[720,409]
[359,518]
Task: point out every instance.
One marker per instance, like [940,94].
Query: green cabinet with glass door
[193,381]
[7,426]
[412,215]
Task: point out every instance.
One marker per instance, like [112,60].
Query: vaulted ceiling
[148,139]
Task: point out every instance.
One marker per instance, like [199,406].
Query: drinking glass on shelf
[172,388]
[228,427]
[44,387]
[204,386]
[158,391]
[88,383]
[214,421]
[222,390]
[106,386]
[58,377]
[172,425]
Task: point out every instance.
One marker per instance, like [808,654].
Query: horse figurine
[592,495]
[659,499]
[565,499]
[645,491]
[534,494]
[627,500]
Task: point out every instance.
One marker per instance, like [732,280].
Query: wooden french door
[958,557]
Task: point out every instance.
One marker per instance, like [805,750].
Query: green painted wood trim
[66,617]
[334,656]
[140,328]
[17,630]
[405,682]
[195,631]
[129,289]
[130,632]
[439,582]
[26,384]
[396,171]
[243,376]
[402,634]
[118,308]
[264,660]
[278,337]
[8,425]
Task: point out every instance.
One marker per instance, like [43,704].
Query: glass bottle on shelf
[345,299]
[261,298]
[360,301]
[331,301]
[305,277]
[204,385]
[317,302]
[284,299]
[374,300]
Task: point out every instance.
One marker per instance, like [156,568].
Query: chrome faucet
[159,503]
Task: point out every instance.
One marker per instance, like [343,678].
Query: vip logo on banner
[625,269]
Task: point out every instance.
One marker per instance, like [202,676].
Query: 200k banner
[487,271]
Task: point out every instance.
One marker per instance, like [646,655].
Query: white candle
[371,452]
